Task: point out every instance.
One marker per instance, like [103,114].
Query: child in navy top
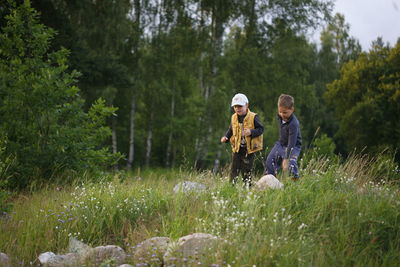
[287,149]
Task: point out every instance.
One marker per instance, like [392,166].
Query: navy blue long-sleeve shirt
[289,134]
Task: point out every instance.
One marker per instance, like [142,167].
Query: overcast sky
[370,19]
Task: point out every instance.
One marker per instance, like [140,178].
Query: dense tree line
[171,67]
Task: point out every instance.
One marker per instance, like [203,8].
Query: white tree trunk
[149,141]
[217,160]
[114,135]
[204,92]
[131,154]
[173,157]
[131,134]
[114,138]
[170,134]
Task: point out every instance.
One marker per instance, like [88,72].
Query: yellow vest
[253,144]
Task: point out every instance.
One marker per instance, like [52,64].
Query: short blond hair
[286,101]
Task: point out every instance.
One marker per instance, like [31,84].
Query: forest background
[89,85]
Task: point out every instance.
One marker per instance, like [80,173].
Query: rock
[268,181]
[102,253]
[151,251]
[50,259]
[76,246]
[188,187]
[190,249]
[82,254]
[4,260]
[47,257]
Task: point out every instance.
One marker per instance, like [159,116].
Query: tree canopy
[170,69]
[366,99]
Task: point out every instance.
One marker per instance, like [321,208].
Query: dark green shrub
[41,111]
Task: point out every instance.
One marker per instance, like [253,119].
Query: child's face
[240,110]
[285,113]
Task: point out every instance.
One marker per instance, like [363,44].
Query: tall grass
[337,214]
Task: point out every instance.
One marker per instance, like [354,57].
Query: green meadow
[338,214]
[87,87]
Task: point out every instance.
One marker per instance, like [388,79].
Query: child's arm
[292,139]
[285,164]
[227,136]
[258,128]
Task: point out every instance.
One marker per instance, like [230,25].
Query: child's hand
[285,164]
[247,132]
[224,139]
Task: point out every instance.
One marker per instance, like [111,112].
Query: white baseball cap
[239,99]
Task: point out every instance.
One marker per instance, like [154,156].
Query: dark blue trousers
[275,157]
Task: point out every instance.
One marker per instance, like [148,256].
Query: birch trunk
[131,134]
[131,154]
[170,134]
[217,34]
[114,135]
[114,138]
[204,92]
[149,140]
[217,160]
[173,157]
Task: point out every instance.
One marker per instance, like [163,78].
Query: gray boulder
[151,251]
[76,246]
[4,260]
[50,259]
[47,258]
[189,187]
[81,254]
[190,249]
[268,181]
[100,254]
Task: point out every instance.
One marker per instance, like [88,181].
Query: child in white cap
[245,135]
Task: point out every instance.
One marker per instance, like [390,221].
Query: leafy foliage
[171,68]
[6,162]
[366,99]
[324,145]
[40,107]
